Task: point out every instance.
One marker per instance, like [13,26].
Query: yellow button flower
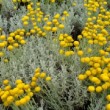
[37,89]
[91,88]
[5,82]
[48,78]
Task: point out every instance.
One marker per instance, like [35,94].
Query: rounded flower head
[1,54]
[108,97]
[6,82]
[10,99]
[48,78]
[42,75]
[6,60]
[99,89]
[91,89]
[23,101]
[37,89]
[81,77]
[108,106]
[10,47]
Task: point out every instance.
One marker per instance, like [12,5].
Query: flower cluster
[66,41]
[96,34]
[52,1]
[21,93]
[13,40]
[40,23]
[36,23]
[19,1]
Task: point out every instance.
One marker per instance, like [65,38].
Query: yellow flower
[104,77]
[42,75]
[61,51]
[34,78]
[76,43]
[1,92]
[10,38]
[54,21]
[5,82]
[17,103]
[20,92]
[45,19]
[30,94]
[8,87]
[108,97]
[81,77]
[1,54]
[37,89]
[38,3]
[2,45]
[49,23]
[12,34]
[91,88]
[105,86]
[16,45]
[99,89]
[26,86]
[14,91]
[65,12]
[23,101]
[70,39]
[5,42]
[80,53]
[108,106]
[102,52]
[48,28]
[63,18]
[28,34]
[2,37]
[48,78]
[32,31]
[62,44]
[57,16]
[14,1]
[4,96]
[25,23]
[20,85]
[17,37]
[27,98]
[54,29]
[90,41]
[6,104]
[61,26]
[10,99]
[95,80]
[6,60]
[37,70]
[88,73]
[52,1]
[18,81]
[61,37]
[89,50]
[37,75]
[10,47]
[23,42]
[33,84]
[68,53]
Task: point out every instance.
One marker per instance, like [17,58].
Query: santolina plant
[44,34]
[21,93]
[96,34]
